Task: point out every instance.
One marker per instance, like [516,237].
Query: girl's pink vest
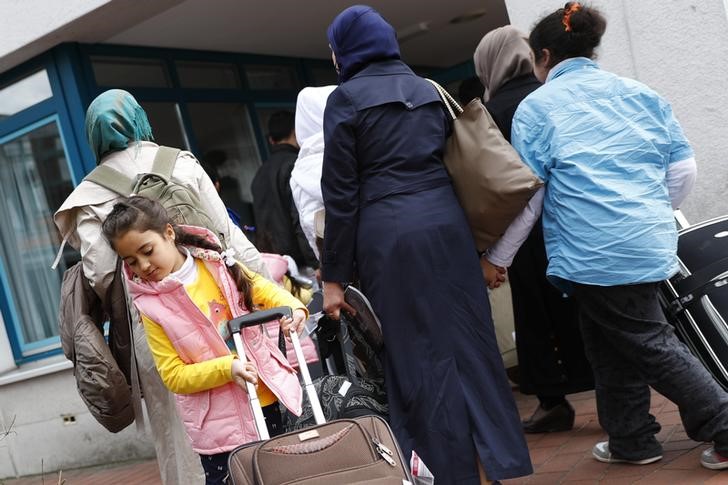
[219,419]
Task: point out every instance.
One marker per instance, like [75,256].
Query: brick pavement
[566,457]
[557,457]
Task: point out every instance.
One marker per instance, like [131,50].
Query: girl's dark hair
[572,31]
[144,214]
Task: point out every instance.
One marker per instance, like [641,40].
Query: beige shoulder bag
[490,179]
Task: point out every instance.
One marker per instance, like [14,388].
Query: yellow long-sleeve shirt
[182,378]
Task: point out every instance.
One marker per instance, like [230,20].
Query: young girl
[187,289]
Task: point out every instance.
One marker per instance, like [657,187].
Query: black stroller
[696,299]
[350,351]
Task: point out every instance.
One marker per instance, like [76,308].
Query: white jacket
[306,175]
[79,218]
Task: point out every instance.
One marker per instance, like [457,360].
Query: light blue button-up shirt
[602,144]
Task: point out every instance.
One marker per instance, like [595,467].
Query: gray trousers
[631,346]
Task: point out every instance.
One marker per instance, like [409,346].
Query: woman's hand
[494,275]
[296,323]
[243,372]
[334,300]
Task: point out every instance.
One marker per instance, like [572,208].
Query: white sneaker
[713,460]
[601,453]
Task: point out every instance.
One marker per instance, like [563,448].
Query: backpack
[182,205]
[106,375]
[104,371]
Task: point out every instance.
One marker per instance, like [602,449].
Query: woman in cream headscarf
[551,361]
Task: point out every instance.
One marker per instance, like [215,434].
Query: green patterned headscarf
[113,120]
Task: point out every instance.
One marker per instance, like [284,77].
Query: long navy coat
[391,213]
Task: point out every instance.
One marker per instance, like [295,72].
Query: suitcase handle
[258,318]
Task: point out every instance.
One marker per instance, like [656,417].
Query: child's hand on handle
[243,372]
[334,300]
[296,323]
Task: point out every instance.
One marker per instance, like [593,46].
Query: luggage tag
[308,435]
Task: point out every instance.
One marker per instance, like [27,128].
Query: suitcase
[360,450]
[695,300]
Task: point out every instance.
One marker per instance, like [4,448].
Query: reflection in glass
[272,77]
[24,93]
[130,72]
[34,181]
[215,75]
[227,147]
[166,124]
[264,115]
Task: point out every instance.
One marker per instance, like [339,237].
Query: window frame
[58,110]
[26,351]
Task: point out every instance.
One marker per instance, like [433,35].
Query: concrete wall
[30,27]
[677,47]
[32,430]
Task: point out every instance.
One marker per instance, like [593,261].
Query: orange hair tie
[573,7]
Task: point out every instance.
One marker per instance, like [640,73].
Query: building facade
[209,74]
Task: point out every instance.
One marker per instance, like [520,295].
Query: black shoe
[558,418]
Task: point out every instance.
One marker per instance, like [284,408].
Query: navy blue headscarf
[358,36]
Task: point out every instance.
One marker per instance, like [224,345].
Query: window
[227,146]
[24,94]
[130,72]
[166,124]
[272,77]
[214,75]
[34,180]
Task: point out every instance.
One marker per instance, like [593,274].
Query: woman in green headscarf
[120,137]
[113,120]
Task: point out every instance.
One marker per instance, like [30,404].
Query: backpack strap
[164,162]
[111,179]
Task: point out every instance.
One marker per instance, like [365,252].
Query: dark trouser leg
[623,397]
[550,402]
[216,468]
[631,346]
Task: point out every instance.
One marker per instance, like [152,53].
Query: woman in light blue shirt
[615,162]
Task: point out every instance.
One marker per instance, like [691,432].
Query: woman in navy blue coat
[392,217]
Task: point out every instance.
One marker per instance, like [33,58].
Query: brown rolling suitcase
[352,451]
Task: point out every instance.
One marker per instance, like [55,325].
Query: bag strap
[136,389]
[162,167]
[452,106]
[111,179]
[164,162]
